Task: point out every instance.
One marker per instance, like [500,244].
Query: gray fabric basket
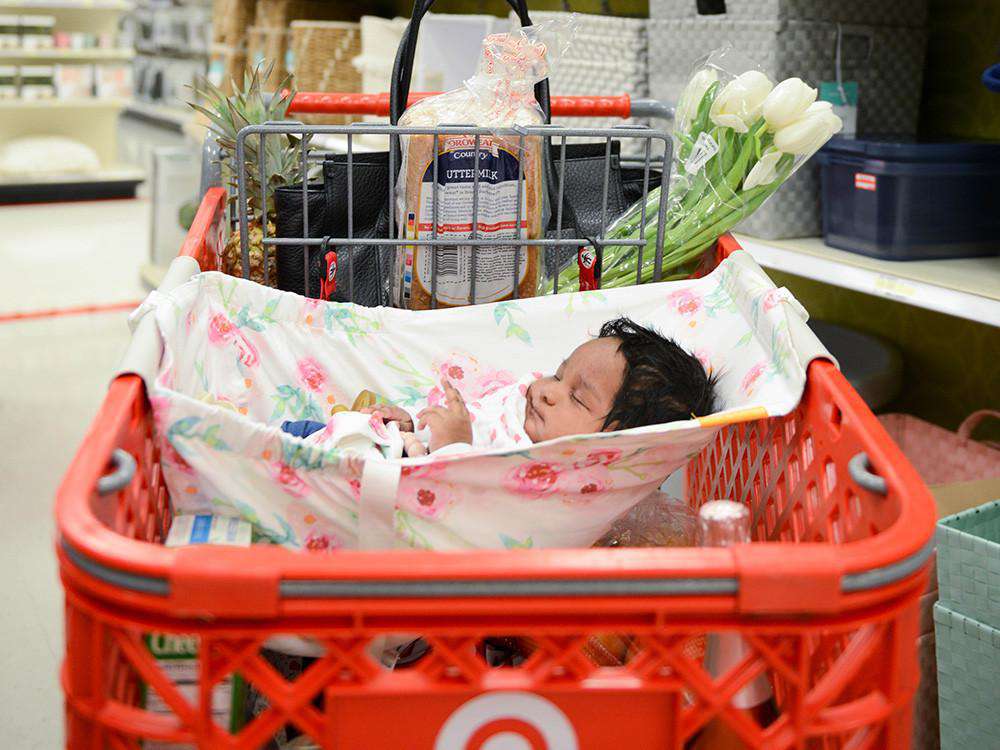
[793,211]
[968,561]
[886,62]
[608,57]
[968,662]
[872,12]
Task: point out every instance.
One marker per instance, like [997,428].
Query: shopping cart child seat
[239,358]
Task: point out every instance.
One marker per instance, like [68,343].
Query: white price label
[891,286]
[704,149]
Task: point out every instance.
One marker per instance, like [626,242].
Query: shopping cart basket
[826,598]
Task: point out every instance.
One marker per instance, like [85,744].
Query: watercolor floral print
[239,359]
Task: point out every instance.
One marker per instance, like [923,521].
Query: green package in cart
[176,655]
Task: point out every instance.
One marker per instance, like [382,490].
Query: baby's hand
[392,414]
[412,447]
[448,424]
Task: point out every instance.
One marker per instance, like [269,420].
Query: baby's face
[579,396]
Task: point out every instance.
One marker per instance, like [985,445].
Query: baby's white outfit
[497,420]
[497,423]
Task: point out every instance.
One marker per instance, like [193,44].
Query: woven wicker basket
[267,44]
[226,64]
[323,55]
[230,21]
[278,14]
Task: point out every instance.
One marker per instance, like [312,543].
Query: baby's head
[629,376]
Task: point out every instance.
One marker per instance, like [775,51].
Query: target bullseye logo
[509,720]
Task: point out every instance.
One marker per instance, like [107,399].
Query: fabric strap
[379,485]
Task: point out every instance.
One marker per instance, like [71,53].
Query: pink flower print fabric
[239,358]
[312,374]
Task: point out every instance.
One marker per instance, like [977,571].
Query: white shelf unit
[65,55]
[172,42]
[117,6]
[29,105]
[176,117]
[964,287]
[92,121]
[110,173]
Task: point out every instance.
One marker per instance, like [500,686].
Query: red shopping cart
[826,599]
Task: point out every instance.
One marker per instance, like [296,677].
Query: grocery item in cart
[737,138]
[178,654]
[505,171]
[657,521]
[724,523]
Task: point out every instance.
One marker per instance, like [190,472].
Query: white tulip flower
[805,136]
[738,105]
[687,105]
[787,102]
[765,171]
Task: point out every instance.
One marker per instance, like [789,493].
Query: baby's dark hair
[662,382]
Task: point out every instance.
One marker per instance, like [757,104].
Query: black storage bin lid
[902,149]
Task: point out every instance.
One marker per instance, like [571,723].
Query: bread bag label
[497,216]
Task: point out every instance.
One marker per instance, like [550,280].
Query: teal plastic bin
[968,662]
[968,562]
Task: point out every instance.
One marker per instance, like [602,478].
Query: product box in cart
[177,655]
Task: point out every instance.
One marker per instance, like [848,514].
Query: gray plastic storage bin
[968,666]
[872,12]
[886,62]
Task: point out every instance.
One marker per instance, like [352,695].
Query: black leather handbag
[361,272]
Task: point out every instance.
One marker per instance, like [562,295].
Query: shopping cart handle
[318,102]
[120,476]
[860,469]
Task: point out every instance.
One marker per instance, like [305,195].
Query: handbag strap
[402,68]
[399,92]
[972,421]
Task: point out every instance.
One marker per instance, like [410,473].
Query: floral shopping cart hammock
[239,359]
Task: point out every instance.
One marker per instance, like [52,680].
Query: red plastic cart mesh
[826,597]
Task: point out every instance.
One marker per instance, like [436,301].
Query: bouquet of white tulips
[736,139]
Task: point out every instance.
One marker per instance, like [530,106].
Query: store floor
[53,374]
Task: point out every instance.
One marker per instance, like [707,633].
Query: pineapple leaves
[252,105]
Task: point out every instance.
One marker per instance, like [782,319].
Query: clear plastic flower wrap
[499,96]
[737,137]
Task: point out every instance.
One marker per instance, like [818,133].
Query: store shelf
[93,103]
[66,54]
[175,117]
[964,287]
[109,174]
[109,5]
[110,182]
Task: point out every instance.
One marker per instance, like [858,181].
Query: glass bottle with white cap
[723,523]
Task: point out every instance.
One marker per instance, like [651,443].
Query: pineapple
[227,115]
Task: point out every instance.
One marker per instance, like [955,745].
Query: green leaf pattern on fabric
[294,403]
[350,320]
[504,313]
[187,428]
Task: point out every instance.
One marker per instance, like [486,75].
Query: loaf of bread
[500,96]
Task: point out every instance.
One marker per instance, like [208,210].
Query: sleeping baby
[629,376]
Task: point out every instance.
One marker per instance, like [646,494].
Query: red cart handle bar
[318,102]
